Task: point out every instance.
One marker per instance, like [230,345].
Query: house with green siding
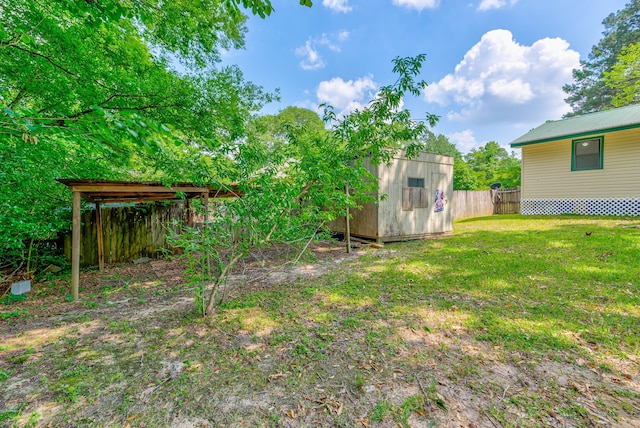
[588,164]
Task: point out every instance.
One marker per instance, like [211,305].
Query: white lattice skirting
[591,206]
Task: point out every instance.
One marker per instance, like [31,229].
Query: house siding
[549,186]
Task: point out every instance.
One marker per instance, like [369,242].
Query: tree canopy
[479,168]
[624,77]
[592,90]
[105,71]
[463,178]
[493,164]
[116,90]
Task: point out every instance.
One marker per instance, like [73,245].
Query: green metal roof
[579,126]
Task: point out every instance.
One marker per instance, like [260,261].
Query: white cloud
[417,4]
[495,4]
[311,58]
[309,104]
[325,41]
[464,140]
[343,35]
[337,5]
[499,80]
[346,96]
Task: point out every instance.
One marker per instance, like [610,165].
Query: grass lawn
[512,321]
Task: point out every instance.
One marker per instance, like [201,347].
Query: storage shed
[416,205]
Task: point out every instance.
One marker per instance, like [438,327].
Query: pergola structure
[104,191]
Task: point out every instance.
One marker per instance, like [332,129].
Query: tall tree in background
[492,163]
[463,177]
[274,129]
[624,77]
[590,91]
[267,135]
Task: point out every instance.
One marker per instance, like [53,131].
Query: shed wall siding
[392,220]
[546,170]
[364,222]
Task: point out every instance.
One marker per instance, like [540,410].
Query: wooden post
[75,247]
[206,208]
[99,236]
[187,207]
[347,233]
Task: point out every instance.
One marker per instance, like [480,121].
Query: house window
[414,195]
[587,154]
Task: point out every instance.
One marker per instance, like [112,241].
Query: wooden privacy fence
[472,203]
[480,203]
[507,201]
[129,232]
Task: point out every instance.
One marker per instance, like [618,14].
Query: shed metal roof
[579,126]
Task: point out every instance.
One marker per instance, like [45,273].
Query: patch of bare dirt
[135,286]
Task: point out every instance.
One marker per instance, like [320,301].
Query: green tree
[301,187]
[508,173]
[300,117]
[268,134]
[114,89]
[624,77]
[590,92]
[103,71]
[492,163]
[463,177]
[439,144]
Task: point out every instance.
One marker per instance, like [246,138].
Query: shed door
[441,194]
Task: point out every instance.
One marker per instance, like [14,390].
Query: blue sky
[495,68]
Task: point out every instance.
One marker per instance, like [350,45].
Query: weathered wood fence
[129,232]
[472,203]
[480,203]
[507,201]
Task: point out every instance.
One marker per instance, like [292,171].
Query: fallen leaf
[422,413]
